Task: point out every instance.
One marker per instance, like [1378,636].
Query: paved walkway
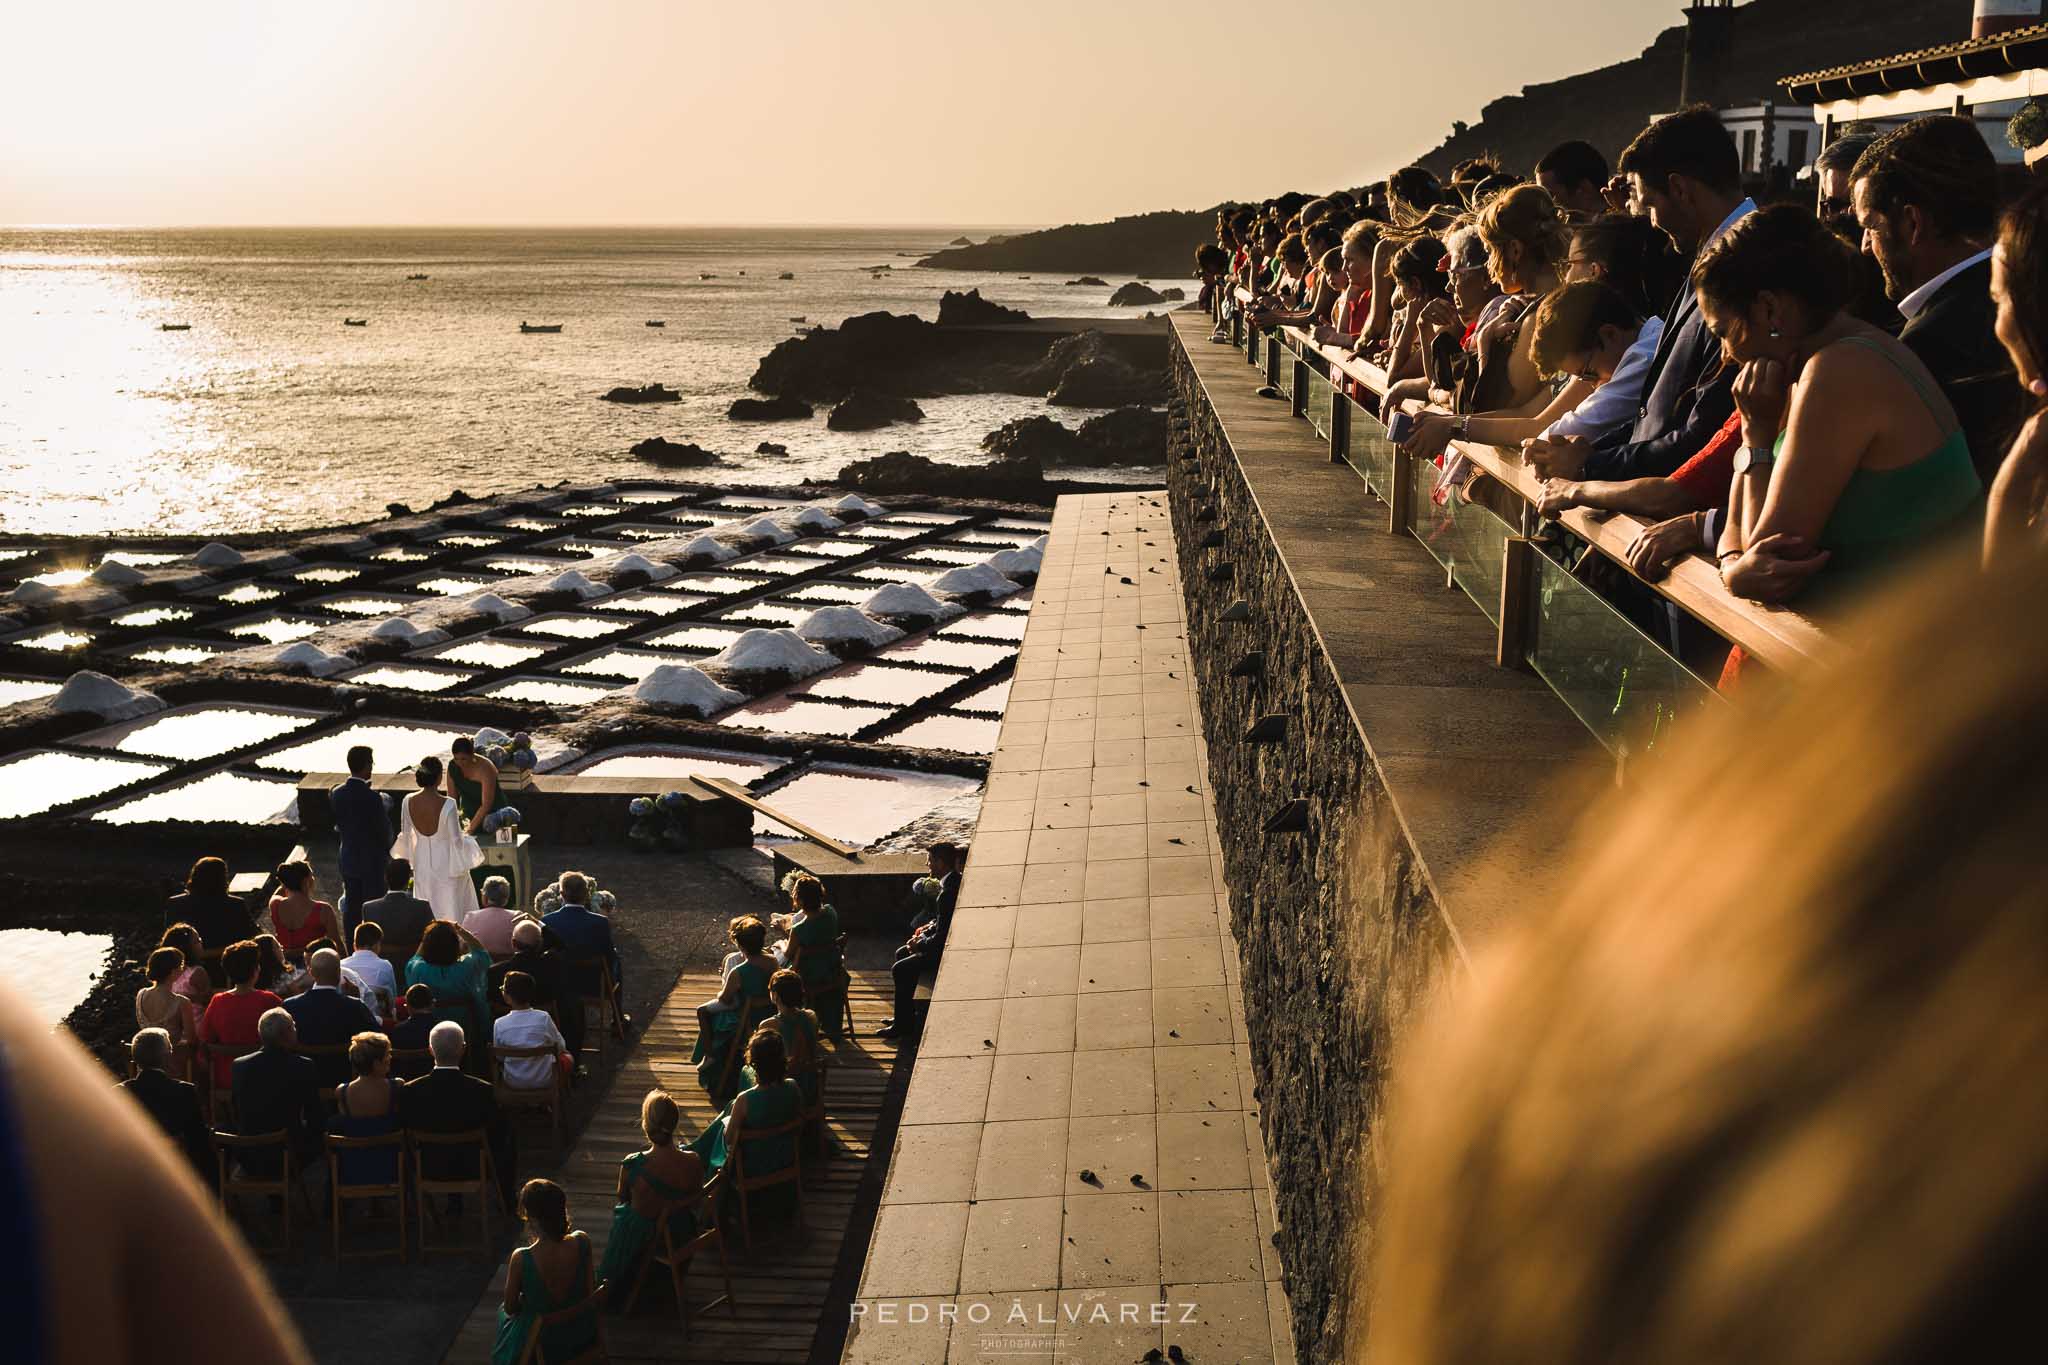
[1079,1174]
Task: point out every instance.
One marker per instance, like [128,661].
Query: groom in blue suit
[365,829]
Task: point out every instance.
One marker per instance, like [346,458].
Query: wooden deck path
[784,1288]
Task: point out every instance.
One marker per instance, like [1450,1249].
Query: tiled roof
[1993,56]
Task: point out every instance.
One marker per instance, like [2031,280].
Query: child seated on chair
[524,1026]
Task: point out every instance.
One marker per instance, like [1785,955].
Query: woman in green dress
[663,1182]
[451,963]
[771,1101]
[473,783]
[742,998]
[799,1030]
[549,1273]
[812,948]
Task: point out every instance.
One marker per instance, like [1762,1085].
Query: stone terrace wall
[1339,932]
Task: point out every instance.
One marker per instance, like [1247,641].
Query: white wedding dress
[440,861]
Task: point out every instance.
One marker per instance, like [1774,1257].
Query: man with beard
[1926,197]
[1832,169]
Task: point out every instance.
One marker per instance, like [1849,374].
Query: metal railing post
[1340,424]
[1297,399]
[1401,497]
[1273,350]
[1517,602]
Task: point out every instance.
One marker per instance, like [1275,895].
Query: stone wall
[1338,931]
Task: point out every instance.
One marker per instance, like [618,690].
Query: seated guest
[2016,521]
[1573,174]
[661,1183]
[296,918]
[277,1090]
[524,1026]
[327,1018]
[554,1270]
[1851,458]
[403,916]
[367,1107]
[799,1029]
[1926,196]
[812,948]
[159,1006]
[174,1105]
[192,980]
[379,982]
[456,968]
[491,922]
[771,1101]
[584,934]
[275,972]
[207,906]
[920,952]
[744,989]
[533,955]
[445,1100]
[231,1015]
[409,1034]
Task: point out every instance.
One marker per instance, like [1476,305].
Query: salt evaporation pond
[33,782]
[957,653]
[232,798]
[484,652]
[859,805]
[992,698]
[653,601]
[574,627]
[410,678]
[989,625]
[963,734]
[14,690]
[196,732]
[878,683]
[666,761]
[793,715]
[278,629]
[548,691]
[50,970]
[397,743]
[176,654]
[630,664]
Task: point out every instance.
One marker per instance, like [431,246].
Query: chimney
[1999,16]
[1709,26]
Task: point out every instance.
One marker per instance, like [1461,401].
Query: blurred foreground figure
[115,1252]
[1771,1081]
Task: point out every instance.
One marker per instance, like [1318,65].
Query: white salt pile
[833,625]
[811,519]
[304,654]
[853,504]
[575,582]
[639,563]
[1013,563]
[114,574]
[770,651]
[216,556]
[684,686]
[762,528]
[108,698]
[707,547]
[1040,543]
[400,629]
[490,604]
[34,594]
[901,600]
[969,579]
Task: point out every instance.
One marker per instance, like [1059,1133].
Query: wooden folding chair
[319,1050]
[220,1098]
[752,1012]
[834,1008]
[594,1354]
[336,1145]
[235,1181]
[744,1185]
[813,1115]
[676,1260]
[411,1063]
[516,1097]
[483,1186]
[609,1018]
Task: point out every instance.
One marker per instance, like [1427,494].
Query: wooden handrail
[1779,637]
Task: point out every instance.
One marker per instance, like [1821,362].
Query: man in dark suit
[173,1104]
[543,961]
[921,951]
[277,1089]
[401,915]
[325,1017]
[445,1100]
[365,829]
[1926,197]
[1684,172]
[585,934]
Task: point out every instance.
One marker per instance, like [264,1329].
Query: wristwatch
[1754,457]
[1463,426]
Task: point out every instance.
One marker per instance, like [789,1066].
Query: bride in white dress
[431,838]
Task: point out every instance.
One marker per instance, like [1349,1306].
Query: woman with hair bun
[1851,457]
[551,1272]
[662,1182]
[442,853]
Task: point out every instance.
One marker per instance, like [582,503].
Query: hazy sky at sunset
[642,112]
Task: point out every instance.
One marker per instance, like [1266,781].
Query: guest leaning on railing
[2016,522]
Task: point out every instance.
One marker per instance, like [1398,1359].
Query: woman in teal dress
[742,999]
[799,1030]
[813,945]
[549,1273]
[473,783]
[451,963]
[771,1101]
[665,1181]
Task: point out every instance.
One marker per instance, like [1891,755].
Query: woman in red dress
[231,1015]
[298,920]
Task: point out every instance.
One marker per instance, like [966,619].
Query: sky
[669,112]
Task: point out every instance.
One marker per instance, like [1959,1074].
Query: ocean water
[269,414]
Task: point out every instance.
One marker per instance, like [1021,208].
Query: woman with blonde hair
[1775,1090]
[662,1182]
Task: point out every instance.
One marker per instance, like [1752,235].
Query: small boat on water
[530,327]
[706,275]
[355,322]
[174,327]
[799,319]
[656,322]
[787,275]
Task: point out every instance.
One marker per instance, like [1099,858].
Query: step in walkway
[1079,1175]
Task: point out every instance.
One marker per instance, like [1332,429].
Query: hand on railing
[1773,569]
[1558,496]
[1557,457]
[1433,432]
[1657,547]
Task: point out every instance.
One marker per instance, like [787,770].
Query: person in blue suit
[365,828]
[584,933]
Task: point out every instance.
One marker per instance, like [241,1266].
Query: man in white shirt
[525,1026]
[374,977]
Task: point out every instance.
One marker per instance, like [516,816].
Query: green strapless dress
[767,1107]
[633,1233]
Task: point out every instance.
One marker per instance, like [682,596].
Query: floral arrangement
[550,899]
[2028,128]
[927,887]
[658,822]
